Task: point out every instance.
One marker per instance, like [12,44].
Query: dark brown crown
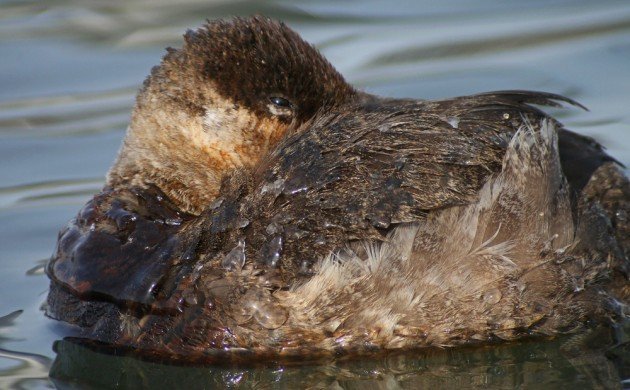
[250,60]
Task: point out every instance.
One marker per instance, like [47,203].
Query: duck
[263,209]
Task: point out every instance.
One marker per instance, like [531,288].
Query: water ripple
[139,22]
[30,367]
[516,34]
[13,196]
[64,115]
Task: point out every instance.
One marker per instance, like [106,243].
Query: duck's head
[220,102]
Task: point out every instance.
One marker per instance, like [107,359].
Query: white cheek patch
[213,119]
[223,125]
[218,120]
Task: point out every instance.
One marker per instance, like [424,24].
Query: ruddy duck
[261,206]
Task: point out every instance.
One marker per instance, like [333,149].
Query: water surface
[68,74]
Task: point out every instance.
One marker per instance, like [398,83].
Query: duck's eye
[280,106]
[280,102]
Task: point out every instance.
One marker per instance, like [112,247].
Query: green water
[68,74]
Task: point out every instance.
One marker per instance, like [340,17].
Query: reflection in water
[39,269]
[576,362]
[30,368]
[19,369]
[9,319]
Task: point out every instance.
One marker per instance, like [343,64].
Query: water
[68,75]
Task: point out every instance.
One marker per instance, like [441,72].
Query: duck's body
[262,206]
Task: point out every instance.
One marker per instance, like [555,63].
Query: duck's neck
[186,152]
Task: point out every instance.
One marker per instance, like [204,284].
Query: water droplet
[271,252]
[241,222]
[379,221]
[295,233]
[274,188]
[273,228]
[234,379]
[235,259]
[190,253]
[270,316]
[272,281]
[306,268]
[190,298]
[173,221]
[242,315]
[384,128]
[392,183]
[492,297]
[400,162]
[216,204]
[220,289]
[343,341]
[454,122]
[297,190]
[124,219]
[329,225]
[259,304]
[332,325]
